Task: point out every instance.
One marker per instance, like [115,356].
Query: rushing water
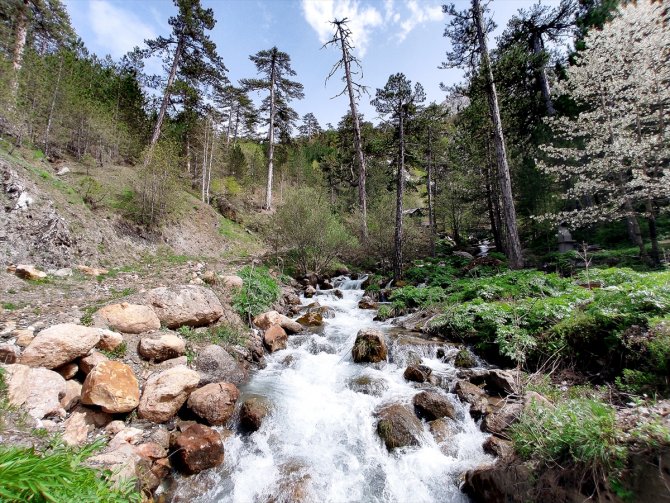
[320,444]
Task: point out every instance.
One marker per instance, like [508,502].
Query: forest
[525,216]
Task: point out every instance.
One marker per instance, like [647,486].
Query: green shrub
[384,312]
[411,296]
[259,292]
[580,431]
[58,475]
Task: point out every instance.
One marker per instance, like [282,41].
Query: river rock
[367,303]
[498,447]
[275,338]
[29,272]
[9,353]
[81,422]
[338,293]
[197,448]
[369,346]
[128,318]
[165,392]
[215,402]
[38,390]
[397,426]
[253,411]
[368,385]
[112,386]
[215,364]
[88,362]
[311,320]
[266,320]
[161,346]
[191,305]
[109,340]
[431,405]
[60,344]
[500,420]
[232,281]
[417,373]
[24,337]
[326,312]
[310,291]
[291,298]
[68,371]
[473,395]
[121,461]
[442,429]
[72,395]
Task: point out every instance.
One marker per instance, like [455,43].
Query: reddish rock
[68,371]
[432,405]
[270,318]
[112,386]
[109,340]
[275,338]
[252,413]
[164,393]
[197,448]
[417,373]
[215,402]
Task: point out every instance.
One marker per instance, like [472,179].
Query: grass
[10,306]
[222,335]
[259,292]
[118,352]
[58,475]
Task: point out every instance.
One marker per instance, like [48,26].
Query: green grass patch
[118,352]
[259,292]
[223,335]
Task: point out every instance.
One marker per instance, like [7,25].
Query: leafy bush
[411,296]
[580,431]
[308,231]
[58,475]
[259,292]
[384,312]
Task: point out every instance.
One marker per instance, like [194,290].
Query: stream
[320,444]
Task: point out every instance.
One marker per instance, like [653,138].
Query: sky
[389,36]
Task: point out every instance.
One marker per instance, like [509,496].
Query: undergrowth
[259,292]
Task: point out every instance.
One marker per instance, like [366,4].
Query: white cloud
[115,29]
[362,20]
[419,14]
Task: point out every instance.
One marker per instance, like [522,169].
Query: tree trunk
[509,213]
[271,137]
[204,164]
[429,191]
[358,142]
[19,47]
[188,155]
[542,78]
[397,241]
[492,212]
[653,233]
[51,110]
[166,100]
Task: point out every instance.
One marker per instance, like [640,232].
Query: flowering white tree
[614,154]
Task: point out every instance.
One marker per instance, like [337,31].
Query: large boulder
[326,312]
[88,362]
[165,393]
[369,346]
[109,340]
[253,411]
[431,405]
[311,319]
[161,346]
[397,426]
[191,305]
[270,318]
[215,364]
[473,395]
[500,420]
[38,390]
[197,448]
[215,403]
[128,318]
[275,338]
[367,303]
[417,373]
[30,272]
[112,386]
[59,345]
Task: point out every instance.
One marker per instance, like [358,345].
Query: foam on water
[320,439]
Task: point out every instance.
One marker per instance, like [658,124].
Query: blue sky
[390,36]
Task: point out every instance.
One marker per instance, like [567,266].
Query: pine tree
[275,65]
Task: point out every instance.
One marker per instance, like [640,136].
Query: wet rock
[252,413]
[191,305]
[473,395]
[397,426]
[442,429]
[310,291]
[72,395]
[369,346]
[38,390]
[275,338]
[338,293]
[417,373]
[29,272]
[81,422]
[68,371]
[311,320]
[9,353]
[215,402]
[165,392]
[326,312]
[161,346]
[501,382]
[112,386]
[431,405]
[368,385]
[215,364]
[291,299]
[500,420]
[151,451]
[270,318]
[367,303]
[498,447]
[293,484]
[109,340]
[500,484]
[232,281]
[59,345]
[196,449]
[128,318]
[88,362]
[464,359]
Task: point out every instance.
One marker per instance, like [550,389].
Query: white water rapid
[320,443]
